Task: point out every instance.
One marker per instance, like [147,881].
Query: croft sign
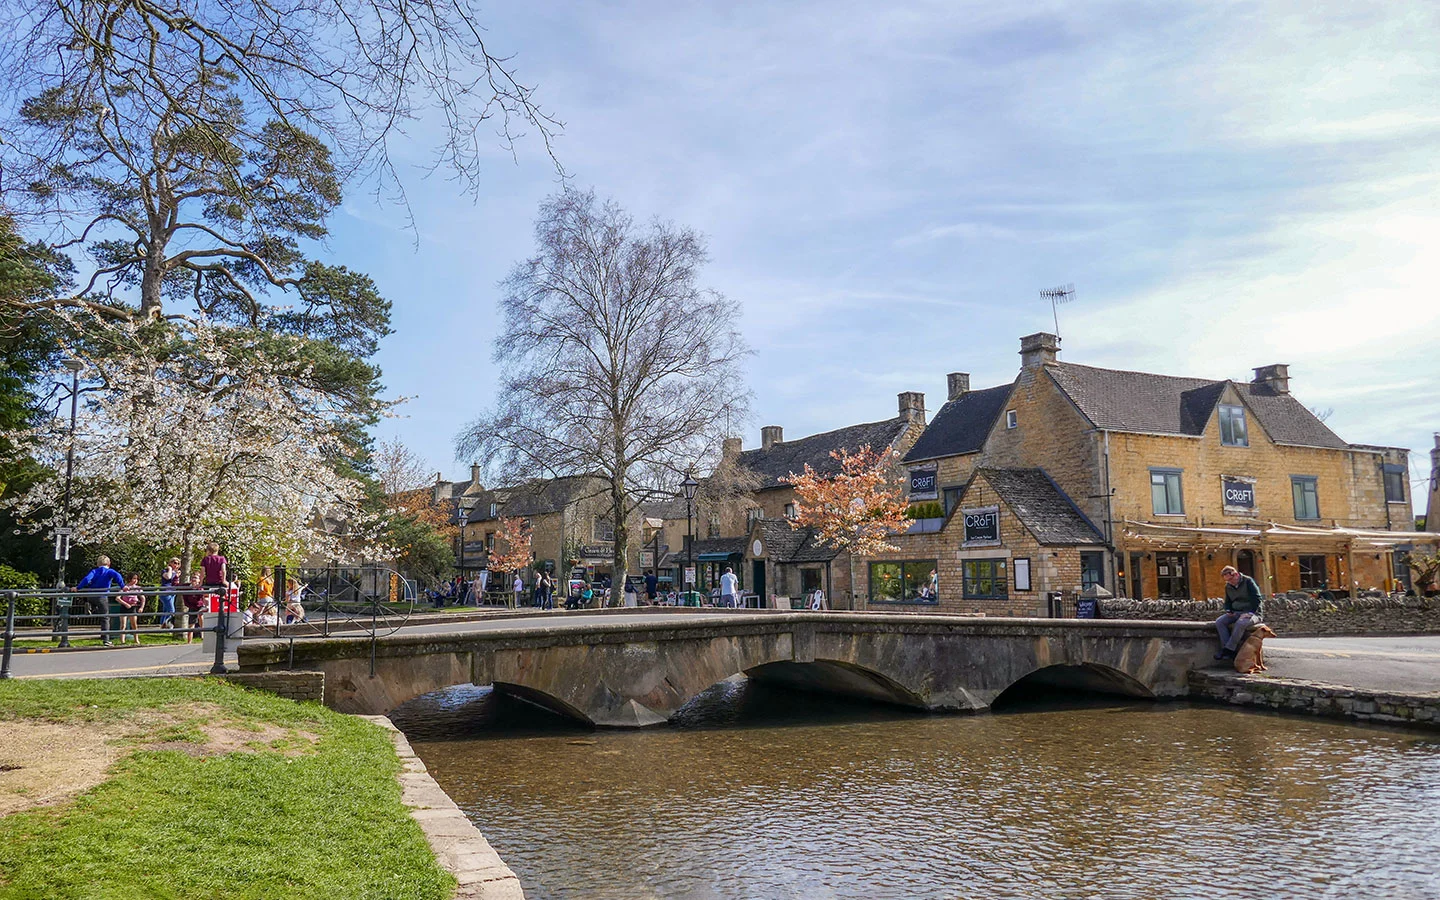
[1238,493]
[982,525]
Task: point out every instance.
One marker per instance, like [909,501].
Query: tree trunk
[151,303]
[621,544]
[187,555]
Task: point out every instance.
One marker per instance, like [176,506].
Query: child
[131,601]
[194,606]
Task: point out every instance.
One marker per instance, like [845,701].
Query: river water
[761,793]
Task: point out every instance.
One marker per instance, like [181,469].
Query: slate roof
[792,545]
[533,498]
[961,425]
[1141,402]
[1041,506]
[786,457]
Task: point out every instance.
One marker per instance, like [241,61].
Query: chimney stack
[1275,377]
[730,448]
[912,406]
[475,474]
[1039,349]
[770,435]
[959,384]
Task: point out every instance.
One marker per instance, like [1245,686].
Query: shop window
[1313,575]
[904,581]
[952,499]
[604,530]
[809,581]
[1012,419]
[1092,570]
[1400,569]
[1306,492]
[1394,484]
[1165,493]
[1232,427]
[985,579]
[1172,576]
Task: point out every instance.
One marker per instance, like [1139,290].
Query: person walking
[169,578]
[652,587]
[519,589]
[729,587]
[98,582]
[1242,609]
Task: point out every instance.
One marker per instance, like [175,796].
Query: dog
[1251,657]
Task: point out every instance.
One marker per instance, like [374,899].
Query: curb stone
[458,845]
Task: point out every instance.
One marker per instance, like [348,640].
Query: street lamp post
[62,537]
[688,486]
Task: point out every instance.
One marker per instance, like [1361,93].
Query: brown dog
[1251,656]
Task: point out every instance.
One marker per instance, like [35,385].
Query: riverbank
[195,787]
[1335,701]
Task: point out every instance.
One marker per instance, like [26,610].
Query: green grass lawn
[308,809]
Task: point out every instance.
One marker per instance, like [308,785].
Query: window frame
[950,499]
[599,528]
[790,511]
[1297,485]
[1167,472]
[1306,571]
[999,576]
[906,597]
[1390,470]
[1233,410]
[1012,419]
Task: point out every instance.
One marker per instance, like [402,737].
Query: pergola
[1275,536]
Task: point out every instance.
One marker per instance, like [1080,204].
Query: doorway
[1245,562]
[1172,575]
[757,579]
[1137,576]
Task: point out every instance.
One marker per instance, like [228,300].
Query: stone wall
[290,685]
[1334,701]
[1364,615]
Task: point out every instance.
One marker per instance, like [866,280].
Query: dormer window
[1232,427]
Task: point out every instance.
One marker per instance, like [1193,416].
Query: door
[1092,569]
[1245,562]
[1172,571]
[1137,580]
[757,579]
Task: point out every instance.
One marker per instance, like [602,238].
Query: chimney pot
[959,384]
[771,435]
[1276,377]
[912,405]
[1039,349]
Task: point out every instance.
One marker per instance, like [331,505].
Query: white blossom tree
[207,434]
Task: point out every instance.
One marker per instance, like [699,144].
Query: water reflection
[760,793]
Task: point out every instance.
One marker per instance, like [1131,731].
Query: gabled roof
[533,498]
[1041,506]
[961,425]
[1141,402]
[785,457]
[792,545]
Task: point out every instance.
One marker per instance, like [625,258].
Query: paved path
[1401,664]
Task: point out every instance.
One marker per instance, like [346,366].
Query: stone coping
[1337,701]
[272,652]
[458,845]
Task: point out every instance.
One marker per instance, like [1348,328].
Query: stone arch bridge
[638,670]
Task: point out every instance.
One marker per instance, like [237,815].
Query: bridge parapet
[612,672]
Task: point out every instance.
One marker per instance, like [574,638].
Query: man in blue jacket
[1242,609]
[99,581]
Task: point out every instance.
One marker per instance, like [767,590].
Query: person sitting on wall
[1242,609]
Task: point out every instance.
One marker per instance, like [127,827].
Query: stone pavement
[1390,664]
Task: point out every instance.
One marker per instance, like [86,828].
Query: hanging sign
[1238,493]
[982,525]
[925,483]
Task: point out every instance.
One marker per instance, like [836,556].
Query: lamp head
[689,485]
[72,364]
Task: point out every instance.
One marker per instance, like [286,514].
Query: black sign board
[1238,492]
[1086,608]
[982,526]
[925,484]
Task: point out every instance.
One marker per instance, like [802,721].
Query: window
[789,510]
[952,499]
[1232,427]
[1172,576]
[1137,576]
[1011,419]
[985,579]
[604,530]
[494,510]
[906,581]
[753,515]
[1092,570]
[489,542]
[1313,576]
[1307,496]
[714,525]
[1022,574]
[1394,484]
[1165,492]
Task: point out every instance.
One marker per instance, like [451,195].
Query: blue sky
[886,187]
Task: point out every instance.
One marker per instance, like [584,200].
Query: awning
[1271,534]
[716,557]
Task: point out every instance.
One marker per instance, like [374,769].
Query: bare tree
[398,468]
[619,365]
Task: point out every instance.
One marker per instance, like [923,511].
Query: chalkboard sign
[1085,608]
[982,525]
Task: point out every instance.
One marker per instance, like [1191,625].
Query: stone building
[1178,477]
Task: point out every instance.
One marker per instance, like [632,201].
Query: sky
[886,188]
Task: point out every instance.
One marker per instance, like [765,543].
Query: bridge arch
[1084,677]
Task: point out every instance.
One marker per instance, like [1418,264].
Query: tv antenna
[1058,295]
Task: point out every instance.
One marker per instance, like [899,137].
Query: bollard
[9,635]
[282,597]
[224,625]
